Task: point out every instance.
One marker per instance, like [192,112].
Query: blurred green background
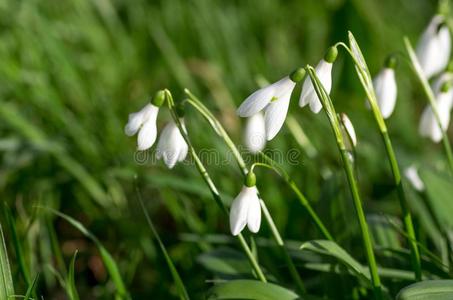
[72,71]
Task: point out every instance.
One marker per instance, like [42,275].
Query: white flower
[348,132]
[385,87]
[245,210]
[433,49]
[255,133]
[172,147]
[144,122]
[444,99]
[308,95]
[274,100]
[411,174]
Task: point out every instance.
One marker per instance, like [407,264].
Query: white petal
[239,211]
[413,177]
[433,49]
[254,212]
[275,115]
[147,135]
[308,96]
[386,90]
[171,146]
[428,124]
[255,133]
[256,101]
[137,119]
[348,132]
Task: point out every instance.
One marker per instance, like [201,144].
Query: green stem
[432,100]
[219,128]
[215,194]
[335,125]
[271,164]
[365,79]
[197,104]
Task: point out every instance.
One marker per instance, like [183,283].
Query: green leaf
[31,288]
[225,261]
[250,289]
[332,249]
[6,280]
[427,290]
[183,295]
[70,282]
[109,262]
[439,190]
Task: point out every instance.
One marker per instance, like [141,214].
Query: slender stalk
[183,295]
[219,129]
[432,100]
[271,164]
[197,104]
[215,194]
[335,125]
[365,79]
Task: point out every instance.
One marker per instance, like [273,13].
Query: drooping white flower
[274,100]
[348,132]
[444,99]
[143,122]
[172,147]
[411,174]
[434,46]
[308,96]
[245,210]
[385,86]
[255,133]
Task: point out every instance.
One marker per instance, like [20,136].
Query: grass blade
[31,288]
[70,282]
[178,281]
[6,280]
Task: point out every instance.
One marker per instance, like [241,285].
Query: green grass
[72,71]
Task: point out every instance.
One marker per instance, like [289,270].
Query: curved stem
[240,161]
[300,196]
[335,125]
[219,128]
[365,79]
[207,179]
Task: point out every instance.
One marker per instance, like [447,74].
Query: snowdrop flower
[324,72]
[433,49]
[144,122]
[444,99]
[385,86]
[246,208]
[172,147]
[348,132]
[255,133]
[274,101]
[411,174]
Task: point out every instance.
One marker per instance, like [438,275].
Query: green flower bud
[158,99]
[391,62]
[250,180]
[297,75]
[331,54]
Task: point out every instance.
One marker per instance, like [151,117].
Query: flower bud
[331,54]
[391,62]
[250,180]
[297,75]
[159,98]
